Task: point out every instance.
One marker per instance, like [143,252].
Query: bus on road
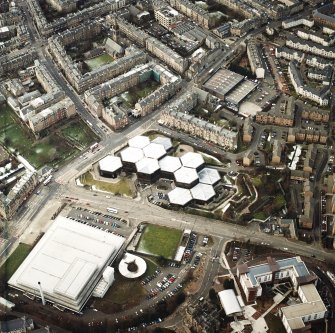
[47,180]
[94,147]
[112,210]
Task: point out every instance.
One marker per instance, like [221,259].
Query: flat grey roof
[68,261]
[209,176]
[110,163]
[170,164]
[185,175]
[154,150]
[147,165]
[139,141]
[131,154]
[262,269]
[237,95]
[192,160]
[180,196]
[223,81]
[166,142]
[202,192]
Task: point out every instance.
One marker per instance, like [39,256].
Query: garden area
[159,241]
[78,133]
[139,91]
[99,61]
[51,150]
[121,187]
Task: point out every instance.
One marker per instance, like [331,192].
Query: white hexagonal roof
[166,142]
[180,196]
[147,165]
[131,155]
[209,176]
[139,141]
[110,163]
[202,192]
[170,164]
[185,175]
[192,160]
[154,150]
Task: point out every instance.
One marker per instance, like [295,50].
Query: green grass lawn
[257,181]
[151,267]
[14,261]
[122,295]
[79,133]
[123,186]
[143,89]
[52,150]
[99,61]
[260,216]
[160,241]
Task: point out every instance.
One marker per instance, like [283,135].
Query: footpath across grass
[160,241]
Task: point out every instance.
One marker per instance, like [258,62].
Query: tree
[212,295]
[228,284]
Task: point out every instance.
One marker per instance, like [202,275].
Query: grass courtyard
[159,241]
[99,61]
[13,262]
[53,149]
[143,89]
[123,186]
[78,133]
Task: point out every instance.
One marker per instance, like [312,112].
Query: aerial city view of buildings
[167,166]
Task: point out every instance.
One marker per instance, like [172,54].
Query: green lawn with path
[160,241]
[78,133]
[123,186]
[142,90]
[99,61]
[53,149]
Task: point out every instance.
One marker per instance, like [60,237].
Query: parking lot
[106,222]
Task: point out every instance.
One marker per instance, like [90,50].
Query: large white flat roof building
[68,261]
